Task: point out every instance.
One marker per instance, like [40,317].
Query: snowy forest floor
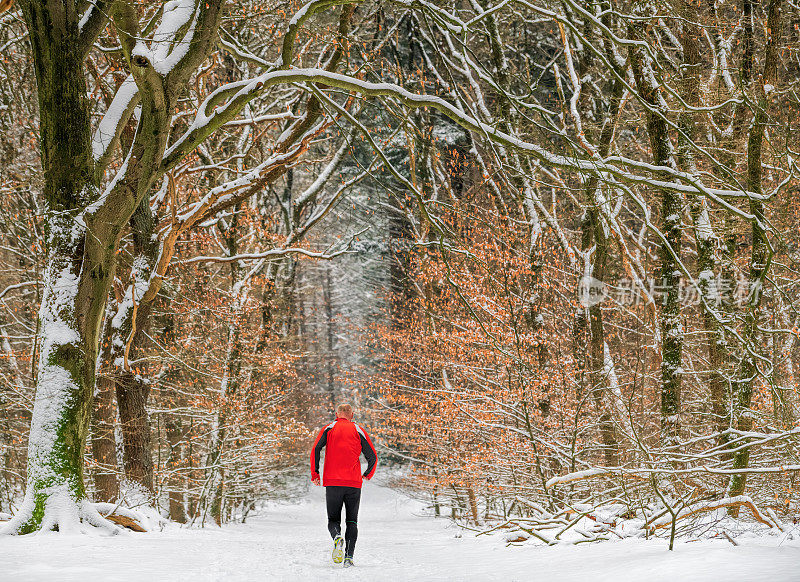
[397,542]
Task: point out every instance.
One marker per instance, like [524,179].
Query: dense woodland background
[571,291]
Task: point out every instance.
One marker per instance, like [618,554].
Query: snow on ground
[397,542]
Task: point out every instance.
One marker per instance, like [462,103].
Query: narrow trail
[396,543]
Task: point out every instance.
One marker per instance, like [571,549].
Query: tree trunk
[174,433]
[126,333]
[760,253]
[78,270]
[132,393]
[104,445]
[230,384]
[589,314]
[784,398]
[669,277]
[706,264]
[597,342]
[473,505]
[330,335]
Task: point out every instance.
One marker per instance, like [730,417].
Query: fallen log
[125,521]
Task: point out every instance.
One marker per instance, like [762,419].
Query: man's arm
[322,440]
[369,453]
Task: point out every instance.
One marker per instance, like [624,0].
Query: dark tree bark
[760,252]
[104,445]
[131,387]
[330,338]
[174,433]
[669,276]
[79,267]
[232,384]
[690,124]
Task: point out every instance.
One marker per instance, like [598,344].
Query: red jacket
[344,441]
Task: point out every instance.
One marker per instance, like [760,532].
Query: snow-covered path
[396,543]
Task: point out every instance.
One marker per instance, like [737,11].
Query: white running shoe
[338,550]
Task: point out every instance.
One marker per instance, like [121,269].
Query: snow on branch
[270,254]
[613,166]
[167,50]
[706,506]
[10,288]
[588,474]
[115,118]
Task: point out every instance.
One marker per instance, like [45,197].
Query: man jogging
[344,441]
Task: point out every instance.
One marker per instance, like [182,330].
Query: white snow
[165,52]
[108,126]
[300,14]
[577,475]
[85,17]
[397,541]
[54,385]
[55,389]
[704,230]
[176,15]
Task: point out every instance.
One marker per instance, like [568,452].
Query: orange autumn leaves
[465,377]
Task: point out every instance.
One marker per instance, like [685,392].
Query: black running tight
[350,497]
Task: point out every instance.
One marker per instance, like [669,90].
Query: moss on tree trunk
[68,321]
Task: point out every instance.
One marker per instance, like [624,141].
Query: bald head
[344,411]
